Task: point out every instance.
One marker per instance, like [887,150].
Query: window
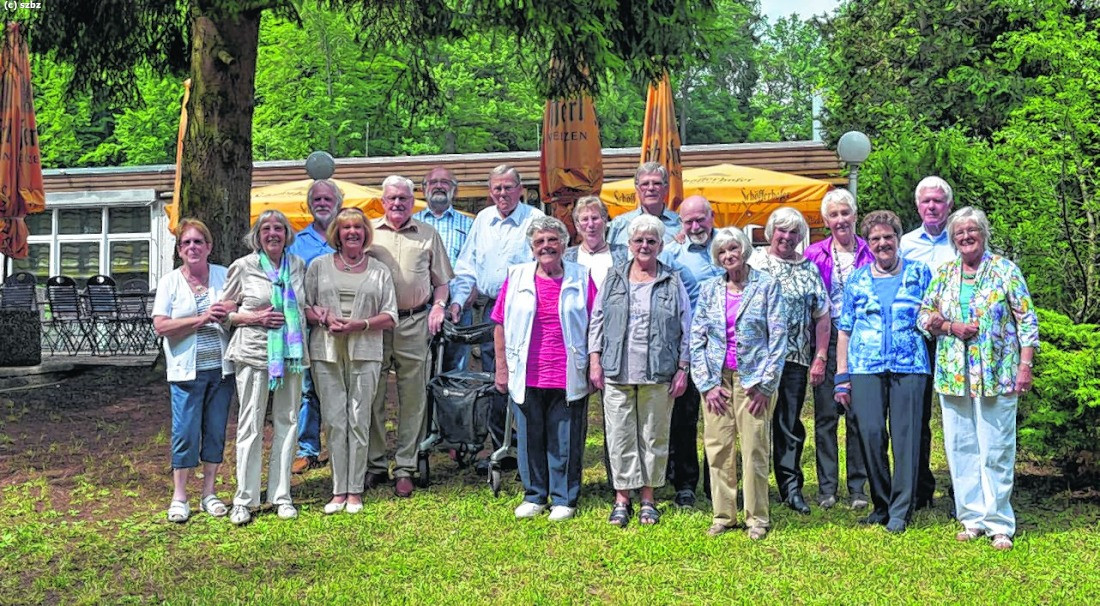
[37,261]
[80,221]
[129,260]
[128,220]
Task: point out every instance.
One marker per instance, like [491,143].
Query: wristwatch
[683,367]
[442,304]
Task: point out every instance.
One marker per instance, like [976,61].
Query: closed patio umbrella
[21,191]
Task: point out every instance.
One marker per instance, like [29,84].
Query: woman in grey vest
[638,354]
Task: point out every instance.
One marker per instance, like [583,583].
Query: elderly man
[651,190]
[324,200]
[418,261]
[440,187]
[497,241]
[931,245]
[691,259]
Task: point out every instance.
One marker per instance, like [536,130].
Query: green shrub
[1059,421]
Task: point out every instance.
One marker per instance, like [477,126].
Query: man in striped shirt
[440,187]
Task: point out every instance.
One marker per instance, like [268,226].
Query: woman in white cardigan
[188,314]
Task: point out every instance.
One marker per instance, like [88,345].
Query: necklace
[351,266]
[892,268]
[594,251]
[196,284]
[841,273]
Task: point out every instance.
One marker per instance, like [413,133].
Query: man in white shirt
[931,244]
[651,191]
[497,240]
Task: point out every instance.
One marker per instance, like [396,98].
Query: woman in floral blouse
[882,368]
[980,308]
[738,345]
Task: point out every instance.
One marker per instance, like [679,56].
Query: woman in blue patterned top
[738,346]
[882,368]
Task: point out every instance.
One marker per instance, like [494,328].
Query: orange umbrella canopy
[21,191]
[740,195]
[290,198]
[661,137]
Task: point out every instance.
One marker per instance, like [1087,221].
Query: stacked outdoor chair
[133,303]
[19,321]
[70,329]
[18,292]
[114,331]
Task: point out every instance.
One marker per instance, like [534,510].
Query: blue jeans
[550,445]
[456,355]
[309,419]
[200,408]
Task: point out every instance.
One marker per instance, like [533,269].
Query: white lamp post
[853,148]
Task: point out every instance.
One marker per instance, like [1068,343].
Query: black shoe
[873,519]
[684,499]
[797,503]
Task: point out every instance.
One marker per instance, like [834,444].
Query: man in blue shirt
[651,191]
[691,260]
[497,240]
[440,187]
[930,244]
[324,200]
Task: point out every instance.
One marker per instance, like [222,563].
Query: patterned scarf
[284,344]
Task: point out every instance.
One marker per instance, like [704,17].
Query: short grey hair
[646,224]
[506,170]
[730,235]
[964,214]
[590,202]
[336,191]
[399,181]
[786,218]
[934,182]
[545,223]
[252,238]
[839,196]
[650,168]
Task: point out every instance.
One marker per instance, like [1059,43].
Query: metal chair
[133,305]
[116,330]
[18,292]
[66,322]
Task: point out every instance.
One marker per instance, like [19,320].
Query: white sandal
[214,506]
[179,512]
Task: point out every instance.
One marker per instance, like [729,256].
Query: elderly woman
[738,346]
[836,257]
[541,358]
[188,314]
[594,252]
[806,307]
[267,287]
[882,368]
[980,308]
[638,354]
[351,300]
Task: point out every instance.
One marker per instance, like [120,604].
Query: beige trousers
[720,434]
[252,392]
[346,389]
[637,419]
[405,350]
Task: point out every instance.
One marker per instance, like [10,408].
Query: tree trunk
[217,149]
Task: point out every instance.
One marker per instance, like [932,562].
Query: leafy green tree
[791,57]
[217,41]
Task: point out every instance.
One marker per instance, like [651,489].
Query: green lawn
[82,521]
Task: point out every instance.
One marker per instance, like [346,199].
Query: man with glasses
[497,240]
[691,260]
[651,190]
[453,227]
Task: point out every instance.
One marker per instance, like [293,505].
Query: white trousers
[979,436]
[346,389]
[637,419]
[252,392]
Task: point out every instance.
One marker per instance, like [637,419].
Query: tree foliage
[790,59]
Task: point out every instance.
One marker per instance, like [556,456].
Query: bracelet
[842,377]
[841,389]
[366,325]
[442,304]
[822,357]
[1028,363]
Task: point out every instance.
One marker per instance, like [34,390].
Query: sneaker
[860,501]
[240,515]
[527,509]
[561,512]
[684,499]
[826,501]
[286,511]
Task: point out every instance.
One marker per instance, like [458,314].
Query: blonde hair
[344,217]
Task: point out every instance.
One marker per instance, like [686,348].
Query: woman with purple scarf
[267,349]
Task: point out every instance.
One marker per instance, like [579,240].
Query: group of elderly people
[647,311]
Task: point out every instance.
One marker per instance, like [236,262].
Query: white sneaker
[527,509]
[286,511]
[240,515]
[561,512]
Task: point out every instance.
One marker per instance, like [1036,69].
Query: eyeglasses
[651,185]
[441,182]
[650,241]
[504,189]
[194,241]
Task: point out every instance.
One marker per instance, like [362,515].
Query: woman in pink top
[542,363]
